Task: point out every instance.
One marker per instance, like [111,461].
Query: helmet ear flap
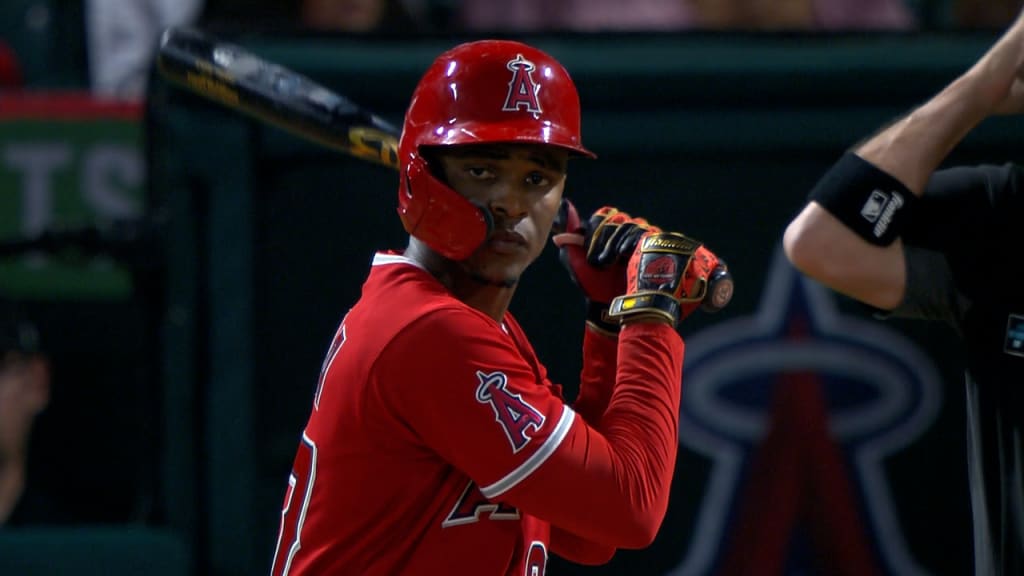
[434,213]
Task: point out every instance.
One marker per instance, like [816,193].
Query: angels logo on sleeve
[514,414]
[522,90]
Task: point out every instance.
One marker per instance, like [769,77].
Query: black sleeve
[931,292]
[961,205]
[957,239]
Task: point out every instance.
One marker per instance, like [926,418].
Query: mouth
[507,242]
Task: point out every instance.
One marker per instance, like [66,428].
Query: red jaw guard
[440,217]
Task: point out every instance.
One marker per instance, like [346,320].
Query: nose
[509,202]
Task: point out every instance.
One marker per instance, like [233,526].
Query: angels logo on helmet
[522,90]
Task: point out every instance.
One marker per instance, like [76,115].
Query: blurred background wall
[186,267]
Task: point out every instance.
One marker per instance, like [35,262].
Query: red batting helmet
[478,92]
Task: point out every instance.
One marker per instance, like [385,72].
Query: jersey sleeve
[458,381]
[579,550]
[951,246]
[960,206]
[931,292]
[597,376]
[609,483]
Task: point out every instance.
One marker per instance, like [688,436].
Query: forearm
[597,377]
[909,150]
[913,147]
[823,247]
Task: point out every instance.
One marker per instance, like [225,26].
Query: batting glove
[668,277]
[596,252]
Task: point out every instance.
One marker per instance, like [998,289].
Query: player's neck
[488,297]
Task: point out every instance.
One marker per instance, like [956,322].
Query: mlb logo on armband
[873,205]
[1014,335]
[880,208]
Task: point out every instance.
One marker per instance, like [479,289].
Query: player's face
[521,185]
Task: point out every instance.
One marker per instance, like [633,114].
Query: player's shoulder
[401,293]
[403,286]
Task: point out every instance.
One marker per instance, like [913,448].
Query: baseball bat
[241,80]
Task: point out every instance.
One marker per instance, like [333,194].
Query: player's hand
[668,277]
[596,252]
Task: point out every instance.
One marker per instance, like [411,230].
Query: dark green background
[266,240]
[719,136]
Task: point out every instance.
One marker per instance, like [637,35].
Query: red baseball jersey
[410,446]
[429,414]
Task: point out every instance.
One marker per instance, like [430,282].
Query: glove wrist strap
[639,303]
[597,318]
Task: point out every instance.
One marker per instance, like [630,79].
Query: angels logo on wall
[797,408]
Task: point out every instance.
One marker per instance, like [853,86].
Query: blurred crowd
[482,16]
[117,37]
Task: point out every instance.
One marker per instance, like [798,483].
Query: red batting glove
[669,275]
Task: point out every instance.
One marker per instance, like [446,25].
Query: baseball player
[885,227]
[436,443]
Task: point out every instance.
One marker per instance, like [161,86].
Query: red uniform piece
[437,444]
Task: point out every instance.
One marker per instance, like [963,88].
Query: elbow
[640,511]
[640,536]
[598,556]
[800,247]
[630,525]
[641,528]
[604,557]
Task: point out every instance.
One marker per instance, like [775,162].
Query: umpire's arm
[910,149]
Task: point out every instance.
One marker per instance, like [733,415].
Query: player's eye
[479,172]
[537,179]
